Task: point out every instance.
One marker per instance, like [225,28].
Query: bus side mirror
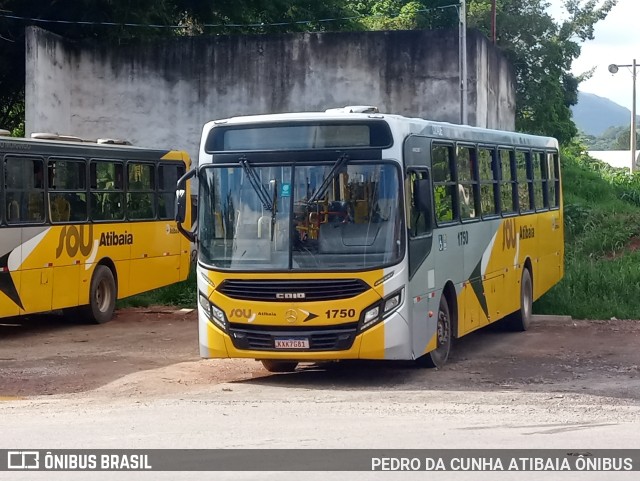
[422,195]
[181,204]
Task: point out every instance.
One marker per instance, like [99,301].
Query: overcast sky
[617,40]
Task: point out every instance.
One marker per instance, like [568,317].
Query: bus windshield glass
[331,216]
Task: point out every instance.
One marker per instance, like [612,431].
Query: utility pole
[634,167]
[493,22]
[462,67]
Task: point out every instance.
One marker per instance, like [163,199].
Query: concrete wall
[160,93]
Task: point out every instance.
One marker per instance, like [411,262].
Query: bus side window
[444,185]
[168,176]
[141,187]
[525,181]
[508,186]
[107,195]
[489,175]
[554,180]
[35,206]
[24,186]
[419,221]
[468,196]
[67,190]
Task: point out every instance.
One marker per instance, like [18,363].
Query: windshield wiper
[270,204]
[262,193]
[341,162]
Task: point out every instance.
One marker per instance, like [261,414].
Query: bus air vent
[305,290]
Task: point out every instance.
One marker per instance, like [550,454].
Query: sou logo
[74,238]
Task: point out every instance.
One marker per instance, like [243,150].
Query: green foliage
[191,14]
[614,138]
[182,294]
[602,233]
[540,49]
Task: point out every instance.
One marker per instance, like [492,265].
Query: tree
[623,141]
[58,16]
[541,49]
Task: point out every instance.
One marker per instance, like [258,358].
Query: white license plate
[292,343]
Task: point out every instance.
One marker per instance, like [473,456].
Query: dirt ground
[154,352]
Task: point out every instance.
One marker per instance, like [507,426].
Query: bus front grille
[293,290]
[263,338]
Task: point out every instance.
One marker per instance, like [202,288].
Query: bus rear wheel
[438,357]
[102,296]
[521,319]
[272,365]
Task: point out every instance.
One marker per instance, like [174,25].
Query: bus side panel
[35,263]
[550,241]
[185,258]
[165,271]
[9,293]
[36,292]
[111,245]
[155,248]
[10,249]
[504,263]
[63,294]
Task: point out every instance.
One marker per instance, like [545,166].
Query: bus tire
[521,319]
[273,365]
[438,357]
[102,296]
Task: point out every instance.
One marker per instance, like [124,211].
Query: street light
[613,68]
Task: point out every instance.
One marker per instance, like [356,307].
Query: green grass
[602,227]
[182,294]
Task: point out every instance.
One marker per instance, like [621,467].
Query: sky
[616,40]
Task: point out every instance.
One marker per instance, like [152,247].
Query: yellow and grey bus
[85,223]
[349,234]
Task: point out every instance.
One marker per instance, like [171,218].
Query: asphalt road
[565,385]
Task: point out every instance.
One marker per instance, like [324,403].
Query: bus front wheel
[102,295]
[438,357]
[272,365]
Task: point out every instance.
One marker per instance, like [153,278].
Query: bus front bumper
[366,345]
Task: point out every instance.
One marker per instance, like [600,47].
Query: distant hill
[593,114]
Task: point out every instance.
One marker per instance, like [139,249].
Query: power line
[217,25]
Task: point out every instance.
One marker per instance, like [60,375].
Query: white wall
[615,158]
[160,93]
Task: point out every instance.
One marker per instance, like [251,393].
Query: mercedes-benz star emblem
[291,316]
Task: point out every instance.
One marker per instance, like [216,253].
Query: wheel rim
[103,296]
[444,332]
[527,301]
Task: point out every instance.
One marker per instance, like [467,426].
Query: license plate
[292,343]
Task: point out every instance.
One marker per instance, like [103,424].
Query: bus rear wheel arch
[521,319]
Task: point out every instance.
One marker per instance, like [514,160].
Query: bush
[602,224]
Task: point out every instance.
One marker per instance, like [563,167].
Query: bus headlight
[371,315]
[380,310]
[213,312]
[392,302]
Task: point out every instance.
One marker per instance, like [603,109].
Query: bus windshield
[330,216]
